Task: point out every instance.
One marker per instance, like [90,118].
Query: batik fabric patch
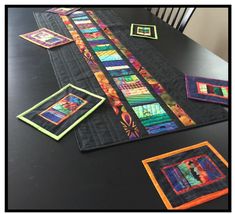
[46,38]
[189,176]
[62,10]
[63,110]
[208,90]
[142,30]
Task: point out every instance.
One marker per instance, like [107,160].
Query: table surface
[44,174]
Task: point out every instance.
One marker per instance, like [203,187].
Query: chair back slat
[169,16]
[175,17]
[185,19]
[157,11]
[181,18]
[163,13]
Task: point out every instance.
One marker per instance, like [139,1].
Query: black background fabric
[177,200]
[70,66]
[58,129]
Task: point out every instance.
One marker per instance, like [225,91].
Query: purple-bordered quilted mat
[208,90]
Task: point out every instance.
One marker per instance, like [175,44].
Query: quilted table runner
[145,95]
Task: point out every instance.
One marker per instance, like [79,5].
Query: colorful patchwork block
[151,114]
[63,110]
[189,176]
[209,90]
[134,90]
[146,31]
[46,38]
[154,118]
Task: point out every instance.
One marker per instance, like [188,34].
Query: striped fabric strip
[126,120]
[82,22]
[81,18]
[158,88]
[130,85]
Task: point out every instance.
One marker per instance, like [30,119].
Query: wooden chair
[176,17]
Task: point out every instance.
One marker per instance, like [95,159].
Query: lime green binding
[58,137]
[155,31]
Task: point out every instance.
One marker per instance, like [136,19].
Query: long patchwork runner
[145,95]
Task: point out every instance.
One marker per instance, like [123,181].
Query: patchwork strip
[134,90]
[154,118]
[126,120]
[185,119]
[130,85]
[63,109]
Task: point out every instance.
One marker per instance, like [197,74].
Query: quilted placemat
[59,113]
[46,38]
[146,96]
[189,176]
[145,31]
[62,10]
[208,90]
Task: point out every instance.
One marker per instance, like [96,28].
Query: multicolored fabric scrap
[46,38]
[63,110]
[209,90]
[189,176]
[131,86]
[145,31]
[62,10]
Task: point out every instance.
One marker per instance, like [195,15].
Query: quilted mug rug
[189,176]
[56,115]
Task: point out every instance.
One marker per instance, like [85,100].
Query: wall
[209,27]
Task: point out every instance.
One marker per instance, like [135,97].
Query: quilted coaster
[59,113]
[189,176]
[209,90]
[46,38]
[146,31]
[62,10]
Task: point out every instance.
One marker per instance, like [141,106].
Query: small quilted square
[46,38]
[145,31]
[59,113]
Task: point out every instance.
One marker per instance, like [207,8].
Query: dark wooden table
[44,174]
